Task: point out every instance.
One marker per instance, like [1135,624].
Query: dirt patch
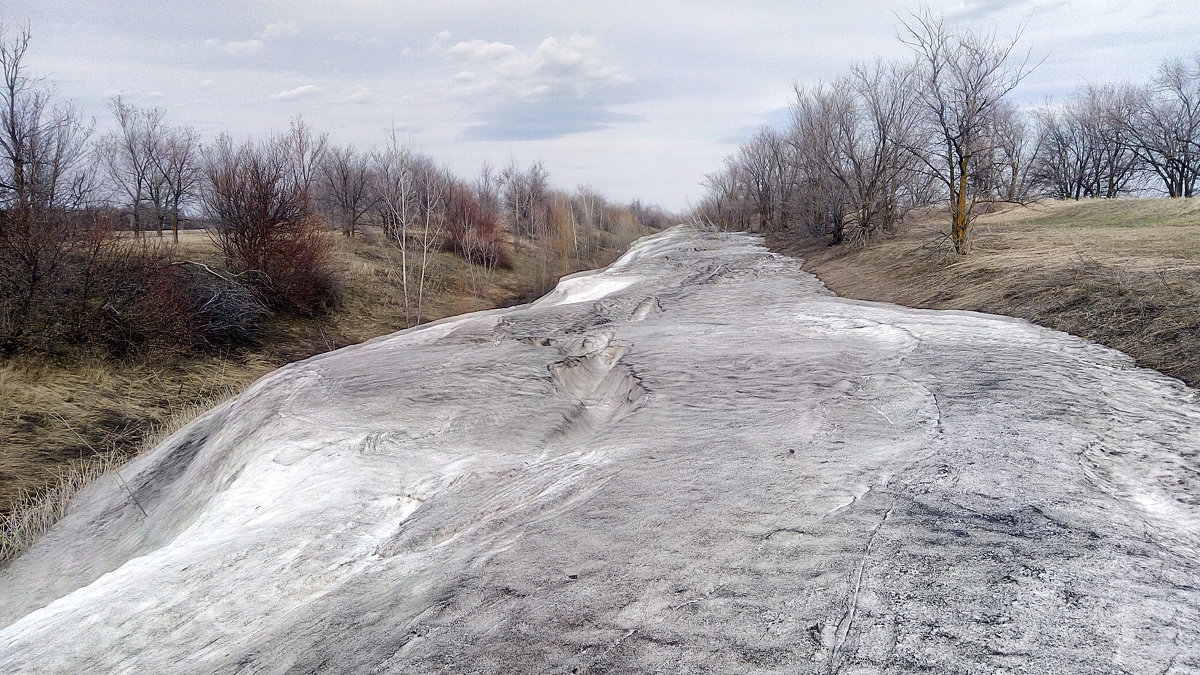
[1124,273]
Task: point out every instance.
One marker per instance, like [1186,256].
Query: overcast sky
[638,99]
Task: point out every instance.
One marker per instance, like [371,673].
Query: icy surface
[698,460]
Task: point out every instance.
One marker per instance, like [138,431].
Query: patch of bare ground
[1124,273]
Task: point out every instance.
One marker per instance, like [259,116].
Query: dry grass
[58,417]
[1123,273]
[36,507]
[63,422]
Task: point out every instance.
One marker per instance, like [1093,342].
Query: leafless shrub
[473,231]
[258,198]
[225,312]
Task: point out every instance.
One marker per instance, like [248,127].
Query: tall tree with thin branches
[178,171]
[962,80]
[345,178]
[127,155]
[1164,127]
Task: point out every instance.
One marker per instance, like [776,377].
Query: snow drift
[697,460]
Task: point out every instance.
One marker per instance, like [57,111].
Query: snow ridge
[696,460]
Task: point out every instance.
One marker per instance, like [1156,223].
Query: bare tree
[346,186]
[127,155]
[589,213]
[395,190]
[305,152]
[762,180]
[721,204]
[473,229]
[1082,148]
[857,131]
[412,195]
[43,144]
[1063,154]
[178,171]
[1116,167]
[962,80]
[785,169]
[1005,171]
[433,187]
[525,197]
[64,279]
[1164,126]
[487,187]
[757,159]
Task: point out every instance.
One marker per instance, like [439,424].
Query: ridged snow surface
[697,460]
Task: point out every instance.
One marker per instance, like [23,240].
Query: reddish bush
[258,199]
[95,289]
[473,231]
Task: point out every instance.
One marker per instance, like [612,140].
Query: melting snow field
[697,460]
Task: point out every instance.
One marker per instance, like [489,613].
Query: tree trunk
[958,230]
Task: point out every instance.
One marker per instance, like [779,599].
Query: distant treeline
[888,137]
[76,268]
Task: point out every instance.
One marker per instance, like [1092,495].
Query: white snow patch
[763,477]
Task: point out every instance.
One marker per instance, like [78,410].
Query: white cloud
[236,47]
[255,44]
[277,30]
[480,51]
[299,92]
[355,38]
[571,67]
[357,95]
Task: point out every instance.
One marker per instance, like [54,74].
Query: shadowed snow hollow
[698,460]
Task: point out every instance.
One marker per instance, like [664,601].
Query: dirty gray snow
[698,460]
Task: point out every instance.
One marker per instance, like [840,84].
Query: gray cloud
[778,118]
[974,10]
[546,119]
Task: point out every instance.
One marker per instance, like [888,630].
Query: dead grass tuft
[34,508]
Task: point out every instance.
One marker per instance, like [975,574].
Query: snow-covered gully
[697,460]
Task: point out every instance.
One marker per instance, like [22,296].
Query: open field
[1124,273]
[60,418]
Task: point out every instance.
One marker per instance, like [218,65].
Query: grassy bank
[65,419]
[1124,273]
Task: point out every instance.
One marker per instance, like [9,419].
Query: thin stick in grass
[120,478]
